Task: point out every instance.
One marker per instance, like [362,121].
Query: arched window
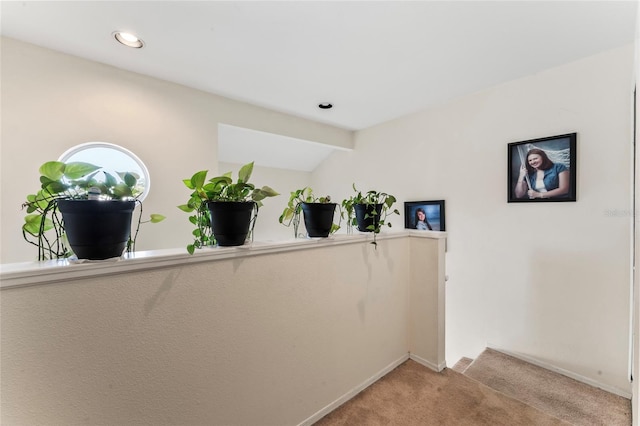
[113,158]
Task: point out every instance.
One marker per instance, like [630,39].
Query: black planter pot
[230,221]
[97,229]
[368,224]
[318,218]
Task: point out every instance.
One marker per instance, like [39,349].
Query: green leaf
[110,180]
[155,218]
[286,215]
[42,199]
[130,179]
[202,194]
[78,170]
[187,183]
[186,208]
[121,191]
[244,174]
[258,196]
[55,187]
[46,181]
[100,185]
[53,170]
[195,201]
[213,191]
[220,181]
[191,248]
[268,191]
[33,222]
[90,177]
[123,174]
[390,200]
[197,180]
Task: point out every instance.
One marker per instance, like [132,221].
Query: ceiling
[374,61]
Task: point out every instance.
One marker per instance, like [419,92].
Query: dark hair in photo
[546,163]
[416,219]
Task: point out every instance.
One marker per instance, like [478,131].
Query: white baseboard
[353,392]
[427,363]
[570,374]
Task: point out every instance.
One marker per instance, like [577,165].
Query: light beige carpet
[415,395]
[462,365]
[558,395]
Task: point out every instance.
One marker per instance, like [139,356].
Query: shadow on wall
[161,294]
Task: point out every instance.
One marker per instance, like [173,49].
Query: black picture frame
[434,214]
[560,153]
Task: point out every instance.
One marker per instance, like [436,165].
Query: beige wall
[427,331]
[551,281]
[52,101]
[269,339]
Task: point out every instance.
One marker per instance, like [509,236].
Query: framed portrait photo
[542,170]
[424,215]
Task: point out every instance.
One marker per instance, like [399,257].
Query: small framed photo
[542,170]
[424,215]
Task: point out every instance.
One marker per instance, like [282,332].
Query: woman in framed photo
[421,221]
[541,178]
[424,215]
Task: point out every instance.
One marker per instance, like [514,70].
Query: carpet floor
[413,394]
[558,395]
[493,389]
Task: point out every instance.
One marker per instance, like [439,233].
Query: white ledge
[38,273]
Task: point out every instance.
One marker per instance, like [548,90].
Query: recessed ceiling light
[325,105]
[128,39]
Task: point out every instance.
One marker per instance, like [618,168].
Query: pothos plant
[44,227]
[220,188]
[374,218]
[291,213]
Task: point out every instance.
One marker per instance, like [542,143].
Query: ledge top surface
[34,273]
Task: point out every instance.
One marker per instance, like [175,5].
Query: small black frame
[433,211]
[555,175]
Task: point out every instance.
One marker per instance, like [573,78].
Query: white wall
[52,101]
[550,281]
[264,339]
